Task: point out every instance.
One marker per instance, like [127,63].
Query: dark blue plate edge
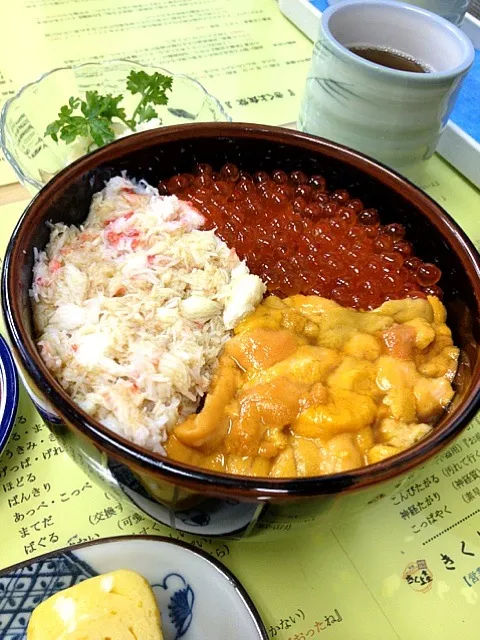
[239,588]
[10,390]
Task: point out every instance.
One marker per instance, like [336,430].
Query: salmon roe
[301,238]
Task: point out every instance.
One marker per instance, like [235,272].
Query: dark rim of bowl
[8,392]
[232,578]
[194,477]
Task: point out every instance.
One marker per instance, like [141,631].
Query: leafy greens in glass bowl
[71,111]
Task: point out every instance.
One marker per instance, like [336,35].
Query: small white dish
[198,597]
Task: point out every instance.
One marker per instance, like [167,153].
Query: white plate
[198,598]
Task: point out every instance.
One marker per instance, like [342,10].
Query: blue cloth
[321,5]
[466,113]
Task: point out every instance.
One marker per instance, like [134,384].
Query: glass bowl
[24,118]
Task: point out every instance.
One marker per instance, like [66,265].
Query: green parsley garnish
[93,117]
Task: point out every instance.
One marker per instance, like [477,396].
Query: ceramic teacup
[452,10]
[395,116]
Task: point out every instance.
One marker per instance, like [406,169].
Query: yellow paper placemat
[245,52]
[408,568]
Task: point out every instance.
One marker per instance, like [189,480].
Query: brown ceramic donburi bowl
[189,498]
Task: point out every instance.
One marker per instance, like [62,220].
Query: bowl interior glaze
[154,155]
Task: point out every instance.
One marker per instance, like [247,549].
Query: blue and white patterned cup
[394,116]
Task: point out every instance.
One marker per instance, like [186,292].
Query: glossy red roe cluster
[299,237]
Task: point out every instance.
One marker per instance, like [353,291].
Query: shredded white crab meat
[133,308]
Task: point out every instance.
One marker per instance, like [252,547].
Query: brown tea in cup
[390,58]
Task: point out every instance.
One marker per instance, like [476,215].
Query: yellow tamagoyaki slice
[114,606]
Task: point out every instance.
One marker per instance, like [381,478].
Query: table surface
[13,193]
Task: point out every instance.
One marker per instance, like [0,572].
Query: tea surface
[389,58]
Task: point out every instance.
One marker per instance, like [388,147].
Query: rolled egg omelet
[114,606]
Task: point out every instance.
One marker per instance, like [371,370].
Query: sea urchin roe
[300,238]
[307,387]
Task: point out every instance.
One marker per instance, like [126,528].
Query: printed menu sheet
[407,567]
[245,52]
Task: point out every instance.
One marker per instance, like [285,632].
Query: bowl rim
[9,391]
[188,476]
[23,177]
